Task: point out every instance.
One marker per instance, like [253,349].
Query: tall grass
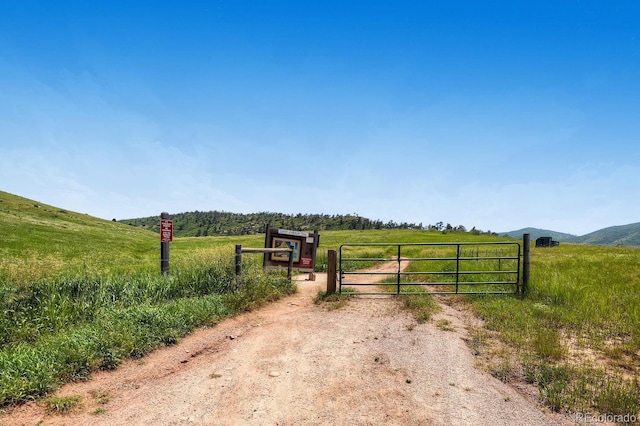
[62,328]
[578,330]
[79,293]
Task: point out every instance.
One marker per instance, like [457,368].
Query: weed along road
[295,362]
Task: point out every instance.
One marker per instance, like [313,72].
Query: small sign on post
[166,236]
[166,230]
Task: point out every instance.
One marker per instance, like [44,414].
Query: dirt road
[296,363]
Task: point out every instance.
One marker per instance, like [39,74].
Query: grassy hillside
[624,235]
[39,239]
[79,294]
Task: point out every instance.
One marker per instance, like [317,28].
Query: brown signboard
[302,244]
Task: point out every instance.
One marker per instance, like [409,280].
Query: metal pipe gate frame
[520,275]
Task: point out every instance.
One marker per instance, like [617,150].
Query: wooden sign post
[166,236]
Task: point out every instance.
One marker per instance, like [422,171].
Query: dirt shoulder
[294,362]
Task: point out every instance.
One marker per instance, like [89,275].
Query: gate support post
[331,271]
[290,266]
[238,265]
[526,264]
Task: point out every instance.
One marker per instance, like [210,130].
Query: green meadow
[576,334]
[81,294]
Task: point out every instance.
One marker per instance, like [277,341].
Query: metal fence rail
[440,268]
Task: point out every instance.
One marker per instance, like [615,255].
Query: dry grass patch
[62,404]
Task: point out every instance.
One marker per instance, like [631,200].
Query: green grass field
[80,294]
[577,333]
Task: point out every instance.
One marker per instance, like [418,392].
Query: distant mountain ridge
[625,235]
[537,233]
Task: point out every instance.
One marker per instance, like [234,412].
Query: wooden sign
[303,247]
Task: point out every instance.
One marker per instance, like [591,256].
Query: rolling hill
[537,233]
[32,231]
[624,235]
[55,231]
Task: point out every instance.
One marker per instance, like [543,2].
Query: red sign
[166,230]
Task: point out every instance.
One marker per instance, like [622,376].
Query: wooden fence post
[238,264]
[290,266]
[267,231]
[331,271]
[526,264]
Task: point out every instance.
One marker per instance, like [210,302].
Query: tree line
[202,224]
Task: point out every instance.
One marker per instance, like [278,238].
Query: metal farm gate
[438,268]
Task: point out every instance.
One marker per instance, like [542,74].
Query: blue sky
[496,114]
